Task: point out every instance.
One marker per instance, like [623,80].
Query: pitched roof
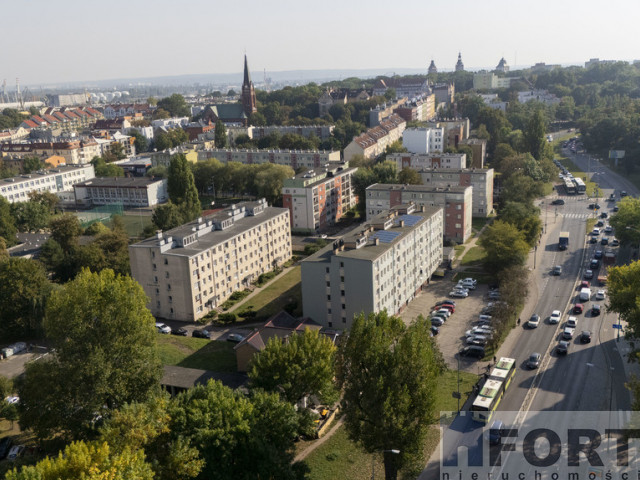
[228,111]
[281,325]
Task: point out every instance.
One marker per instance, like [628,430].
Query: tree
[298,368]
[141,143]
[175,105]
[24,288]
[182,189]
[117,150]
[32,163]
[167,216]
[525,217]
[104,169]
[220,134]
[51,200]
[30,215]
[4,253]
[626,221]
[505,246]
[269,181]
[105,356]
[8,228]
[159,171]
[534,135]
[65,230]
[388,373]
[409,176]
[395,147]
[89,461]
[624,295]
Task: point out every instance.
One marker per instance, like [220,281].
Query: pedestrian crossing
[576,215]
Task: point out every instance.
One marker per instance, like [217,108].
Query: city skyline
[155,39]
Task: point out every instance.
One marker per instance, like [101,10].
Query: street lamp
[373,461]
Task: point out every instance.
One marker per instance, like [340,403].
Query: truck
[609,257]
[563,242]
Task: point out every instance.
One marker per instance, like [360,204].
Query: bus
[569,186]
[580,186]
[493,390]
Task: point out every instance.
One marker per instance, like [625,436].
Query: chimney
[376,241]
[158,234]
[401,223]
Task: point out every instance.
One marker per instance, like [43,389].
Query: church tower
[459,65]
[248,93]
[432,68]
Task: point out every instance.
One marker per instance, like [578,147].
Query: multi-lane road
[591,376]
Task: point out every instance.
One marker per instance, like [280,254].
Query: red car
[584,284]
[578,308]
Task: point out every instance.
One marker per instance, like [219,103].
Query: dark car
[562,348]
[437,321]
[615,242]
[604,215]
[578,308]
[557,270]
[585,336]
[434,330]
[558,201]
[201,333]
[604,241]
[616,208]
[595,263]
[472,351]
[534,360]
[445,302]
[594,206]
[5,446]
[235,337]
[599,223]
[183,332]
[593,239]
[595,310]
[597,254]
[623,193]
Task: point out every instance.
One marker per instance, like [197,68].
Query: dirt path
[304,454]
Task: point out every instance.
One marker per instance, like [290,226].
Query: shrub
[226,318]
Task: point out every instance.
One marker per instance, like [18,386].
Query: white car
[572,322]
[483,331]
[596,231]
[162,328]
[470,280]
[600,295]
[555,317]
[484,318]
[470,286]
[443,311]
[534,321]
[459,294]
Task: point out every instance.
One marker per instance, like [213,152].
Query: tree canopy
[504,245]
[182,189]
[624,295]
[176,105]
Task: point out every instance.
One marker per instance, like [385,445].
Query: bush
[248,314]
[209,317]
[226,318]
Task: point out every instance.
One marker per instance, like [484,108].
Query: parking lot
[451,336]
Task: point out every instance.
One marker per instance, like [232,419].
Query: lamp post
[373,461]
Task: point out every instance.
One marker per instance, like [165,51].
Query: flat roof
[119,182]
[416,188]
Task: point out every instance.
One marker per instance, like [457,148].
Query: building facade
[130,191]
[478,149]
[428,160]
[291,158]
[423,140]
[455,201]
[318,199]
[480,179]
[375,140]
[382,264]
[55,180]
[190,270]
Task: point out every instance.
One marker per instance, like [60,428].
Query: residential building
[129,191]
[340,96]
[455,201]
[479,150]
[492,100]
[111,112]
[419,110]
[14,134]
[542,96]
[403,87]
[292,158]
[445,93]
[380,112]
[75,152]
[481,179]
[111,126]
[55,180]
[455,129]
[379,265]
[429,160]
[423,140]
[257,132]
[61,100]
[489,81]
[169,123]
[375,140]
[317,199]
[191,270]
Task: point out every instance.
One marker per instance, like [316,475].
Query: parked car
[162,328]
[599,223]
[578,308]
[604,241]
[604,215]
[5,445]
[623,193]
[15,452]
[434,330]
[484,318]
[494,295]
[588,274]
[616,208]
[201,333]
[608,229]
[235,337]
[534,321]
[555,317]
[595,231]
[600,295]
[444,312]
[458,294]
[585,336]
[534,360]
[598,254]
[475,351]
[572,322]
[179,331]
[615,242]
[468,286]
[562,348]
[446,306]
[557,270]
[437,321]
[445,302]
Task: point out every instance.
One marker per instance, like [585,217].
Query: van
[495,432]
[585,294]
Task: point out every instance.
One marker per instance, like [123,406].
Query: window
[166,261]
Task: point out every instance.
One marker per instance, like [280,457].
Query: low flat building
[480,179]
[317,199]
[381,264]
[291,158]
[188,271]
[55,180]
[129,191]
[428,160]
[455,201]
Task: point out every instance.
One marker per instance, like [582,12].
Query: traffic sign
[618,326]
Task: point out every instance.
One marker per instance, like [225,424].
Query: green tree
[152,101]
[32,163]
[626,221]
[51,200]
[182,188]
[4,253]
[298,368]
[141,143]
[388,373]
[505,246]
[534,135]
[65,230]
[166,216]
[521,188]
[117,150]
[30,215]
[89,461]
[395,147]
[104,169]
[525,217]
[220,134]
[624,295]
[105,356]
[269,181]
[159,171]
[160,114]
[409,176]
[8,228]
[24,288]
[175,105]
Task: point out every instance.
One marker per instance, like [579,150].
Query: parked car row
[439,314]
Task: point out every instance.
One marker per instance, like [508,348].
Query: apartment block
[375,140]
[480,179]
[455,201]
[428,160]
[423,140]
[479,150]
[382,264]
[191,270]
[74,151]
[317,199]
[130,191]
[291,158]
[55,180]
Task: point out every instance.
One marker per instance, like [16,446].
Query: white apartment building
[291,158]
[130,191]
[423,140]
[56,180]
[190,270]
[428,160]
[382,264]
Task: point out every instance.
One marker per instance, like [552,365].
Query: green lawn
[474,255]
[273,298]
[199,353]
[477,223]
[134,224]
[339,457]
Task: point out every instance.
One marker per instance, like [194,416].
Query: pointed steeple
[459,65]
[432,67]
[248,93]
[247,77]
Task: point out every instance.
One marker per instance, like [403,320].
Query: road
[592,376]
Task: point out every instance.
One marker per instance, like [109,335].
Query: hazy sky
[50,41]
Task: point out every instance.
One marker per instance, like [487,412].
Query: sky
[52,41]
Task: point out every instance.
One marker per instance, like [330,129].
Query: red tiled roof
[30,123]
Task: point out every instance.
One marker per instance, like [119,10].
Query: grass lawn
[474,255]
[338,457]
[272,298]
[134,224]
[199,353]
[477,223]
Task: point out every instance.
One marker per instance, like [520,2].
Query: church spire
[248,93]
[247,77]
